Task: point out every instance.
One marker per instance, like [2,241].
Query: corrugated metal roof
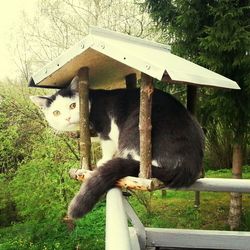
[111,56]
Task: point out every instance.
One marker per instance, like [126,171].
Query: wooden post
[191,107]
[131,81]
[85,143]
[145,125]
[191,99]
[235,209]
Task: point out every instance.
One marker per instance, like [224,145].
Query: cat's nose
[68,119]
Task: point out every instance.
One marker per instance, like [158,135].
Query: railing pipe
[117,232]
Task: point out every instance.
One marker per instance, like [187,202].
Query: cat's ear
[74,84]
[40,101]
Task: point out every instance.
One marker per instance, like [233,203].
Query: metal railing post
[117,232]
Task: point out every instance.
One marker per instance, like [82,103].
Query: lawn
[175,211]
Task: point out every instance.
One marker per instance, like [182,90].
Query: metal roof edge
[65,57]
[117,46]
[31,82]
[96,31]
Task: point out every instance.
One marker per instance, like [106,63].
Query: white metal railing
[220,185]
[117,232]
[120,236]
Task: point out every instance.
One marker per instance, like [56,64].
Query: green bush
[41,187]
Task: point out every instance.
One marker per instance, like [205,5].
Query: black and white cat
[177,138]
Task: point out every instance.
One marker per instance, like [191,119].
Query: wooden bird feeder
[106,59]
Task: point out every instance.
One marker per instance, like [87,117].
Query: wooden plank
[85,142]
[145,125]
[209,239]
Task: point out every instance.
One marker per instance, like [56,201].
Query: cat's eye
[56,113]
[72,105]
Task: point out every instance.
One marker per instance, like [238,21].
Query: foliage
[176,211]
[57,25]
[35,162]
[35,188]
[20,124]
[23,131]
[88,234]
[45,197]
[18,132]
[225,49]
[182,23]
[214,34]
[219,146]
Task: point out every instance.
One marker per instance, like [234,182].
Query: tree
[225,49]
[215,34]
[58,24]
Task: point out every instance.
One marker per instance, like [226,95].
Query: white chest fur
[109,147]
[114,133]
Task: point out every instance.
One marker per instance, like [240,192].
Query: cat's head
[61,110]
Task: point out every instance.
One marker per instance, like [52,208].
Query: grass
[175,211]
[178,211]
[46,235]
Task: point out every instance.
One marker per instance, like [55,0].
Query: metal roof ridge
[96,31]
[130,59]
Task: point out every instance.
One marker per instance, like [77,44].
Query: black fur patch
[65,92]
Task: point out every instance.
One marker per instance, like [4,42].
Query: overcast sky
[10,15]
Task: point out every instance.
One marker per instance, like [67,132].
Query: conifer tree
[215,34]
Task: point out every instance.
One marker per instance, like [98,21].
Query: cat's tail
[105,177]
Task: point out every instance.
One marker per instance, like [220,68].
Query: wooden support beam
[131,81]
[85,143]
[145,125]
[127,182]
[191,99]
[191,107]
